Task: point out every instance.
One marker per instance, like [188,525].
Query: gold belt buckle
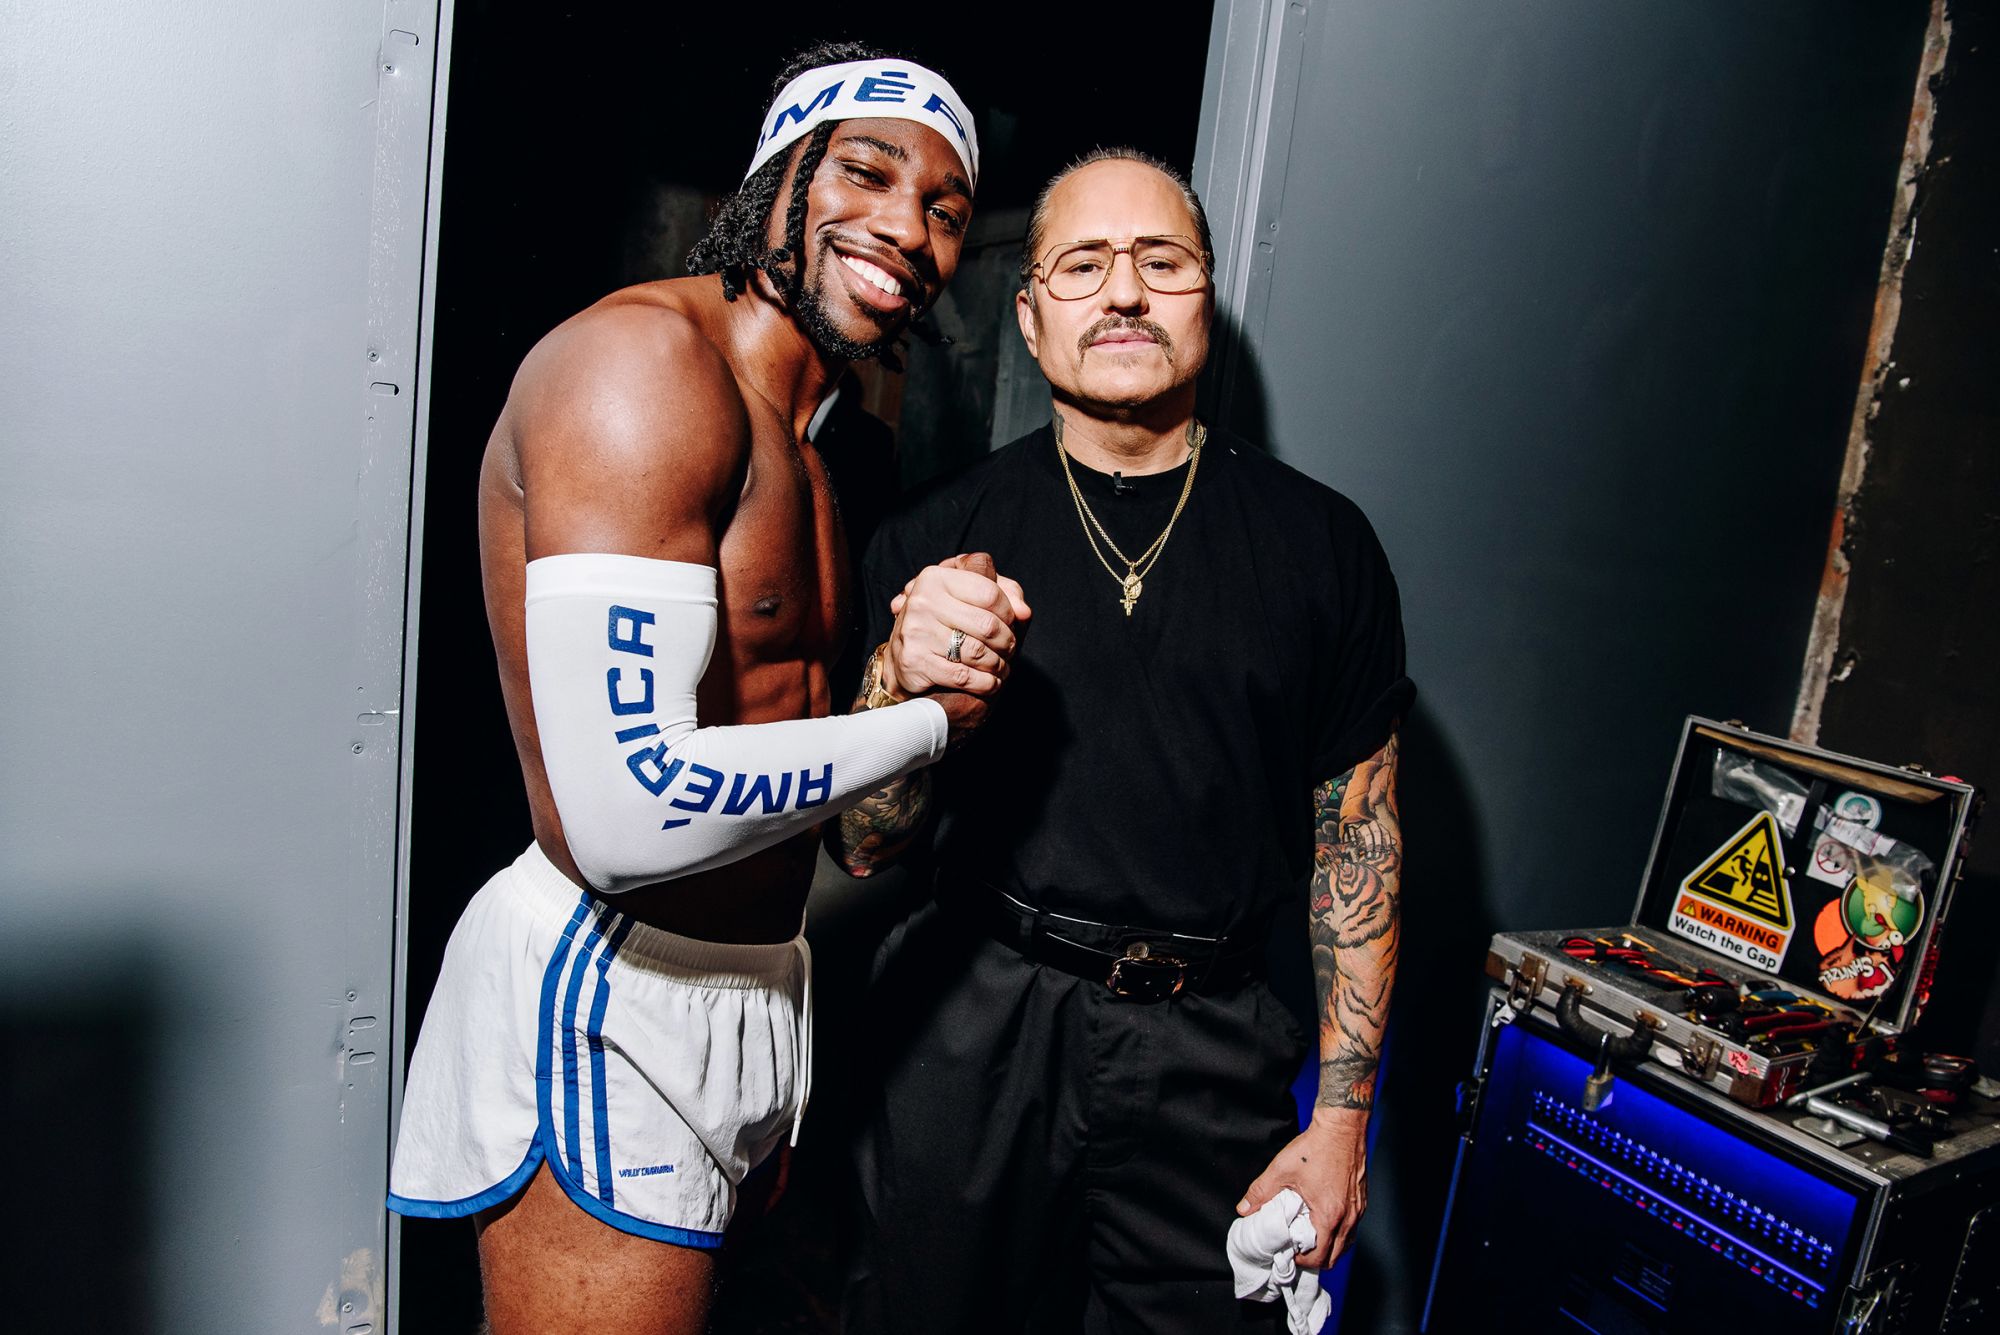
[1143,974]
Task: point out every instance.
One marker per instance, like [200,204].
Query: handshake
[957,626]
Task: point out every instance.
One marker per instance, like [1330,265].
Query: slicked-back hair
[1038,217]
[738,238]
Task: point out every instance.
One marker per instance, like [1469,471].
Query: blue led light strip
[1642,1188]
[1676,1177]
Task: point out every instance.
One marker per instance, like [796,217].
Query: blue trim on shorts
[572,1130]
[594,1036]
[545,1030]
[544,1149]
[411,1208]
[625,1223]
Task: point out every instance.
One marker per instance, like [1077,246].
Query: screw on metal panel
[357,748]
[352,995]
[374,356]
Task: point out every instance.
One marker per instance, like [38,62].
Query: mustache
[1112,323]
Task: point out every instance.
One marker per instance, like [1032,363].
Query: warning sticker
[1832,862]
[1737,902]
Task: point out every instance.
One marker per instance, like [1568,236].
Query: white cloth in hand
[1263,1257]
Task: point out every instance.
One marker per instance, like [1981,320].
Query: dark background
[584,148]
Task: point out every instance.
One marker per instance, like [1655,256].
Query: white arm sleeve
[616,646]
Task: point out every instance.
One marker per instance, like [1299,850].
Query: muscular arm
[1355,927]
[633,444]
[1356,923]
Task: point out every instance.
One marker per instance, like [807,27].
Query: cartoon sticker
[1878,917]
[1847,969]
[1736,901]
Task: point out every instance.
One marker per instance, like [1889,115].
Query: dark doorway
[584,150]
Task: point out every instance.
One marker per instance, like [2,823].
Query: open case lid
[1830,873]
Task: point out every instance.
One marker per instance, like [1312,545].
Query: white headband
[896,89]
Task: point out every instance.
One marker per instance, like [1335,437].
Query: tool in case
[1793,899]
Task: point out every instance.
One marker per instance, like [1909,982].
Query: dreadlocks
[737,240]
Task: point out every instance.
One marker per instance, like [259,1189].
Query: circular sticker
[1833,858]
[1861,808]
[1879,917]
[1829,928]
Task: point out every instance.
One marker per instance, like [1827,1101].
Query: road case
[1793,901]
[1670,1207]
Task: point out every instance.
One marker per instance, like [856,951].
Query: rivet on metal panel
[357,748]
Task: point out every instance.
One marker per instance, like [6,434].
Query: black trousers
[1047,1157]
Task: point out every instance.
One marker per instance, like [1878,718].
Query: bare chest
[784,583]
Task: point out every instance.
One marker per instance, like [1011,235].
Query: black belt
[1138,963]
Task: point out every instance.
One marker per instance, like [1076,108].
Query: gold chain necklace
[1133,582]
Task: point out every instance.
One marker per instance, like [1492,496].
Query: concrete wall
[212,231]
[1571,297]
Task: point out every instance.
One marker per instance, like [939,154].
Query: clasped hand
[963,593]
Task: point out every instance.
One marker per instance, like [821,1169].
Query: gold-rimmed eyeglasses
[1168,265]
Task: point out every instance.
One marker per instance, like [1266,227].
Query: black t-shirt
[1157,769]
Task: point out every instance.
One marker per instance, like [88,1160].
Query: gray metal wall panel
[1571,298]
[213,240]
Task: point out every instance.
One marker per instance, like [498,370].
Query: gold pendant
[1133,588]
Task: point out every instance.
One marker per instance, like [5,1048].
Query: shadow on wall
[1448,922]
[77,1100]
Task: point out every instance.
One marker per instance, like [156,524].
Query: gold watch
[874,695]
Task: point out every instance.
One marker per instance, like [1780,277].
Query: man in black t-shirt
[1084,1075]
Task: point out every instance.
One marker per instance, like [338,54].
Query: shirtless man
[621,1028]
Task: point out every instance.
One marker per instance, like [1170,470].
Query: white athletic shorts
[649,1071]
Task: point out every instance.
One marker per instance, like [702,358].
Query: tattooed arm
[1355,929]
[1356,924]
[873,832]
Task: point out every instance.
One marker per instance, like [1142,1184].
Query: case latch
[1529,975]
[1870,1306]
[1702,1056]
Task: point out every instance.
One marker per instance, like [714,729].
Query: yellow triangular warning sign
[1747,874]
